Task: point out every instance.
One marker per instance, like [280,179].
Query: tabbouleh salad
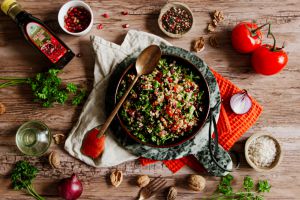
[163,105]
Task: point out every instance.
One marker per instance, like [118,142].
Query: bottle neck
[14,10]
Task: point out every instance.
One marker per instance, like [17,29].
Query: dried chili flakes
[177,20]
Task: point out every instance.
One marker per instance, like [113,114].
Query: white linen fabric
[107,56]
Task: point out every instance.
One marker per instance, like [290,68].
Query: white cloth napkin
[107,56]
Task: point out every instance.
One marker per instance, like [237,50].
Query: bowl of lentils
[175,19]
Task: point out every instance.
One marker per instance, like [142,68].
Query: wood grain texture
[279,94]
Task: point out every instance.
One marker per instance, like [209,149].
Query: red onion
[240,103]
[70,188]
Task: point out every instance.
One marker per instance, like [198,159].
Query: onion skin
[70,188]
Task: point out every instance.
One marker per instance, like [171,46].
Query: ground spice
[177,20]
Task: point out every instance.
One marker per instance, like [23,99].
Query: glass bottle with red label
[39,35]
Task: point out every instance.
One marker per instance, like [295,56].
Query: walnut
[210,28]
[2,108]
[172,194]
[219,16]
[214,22]
[196,182]
[116,178]
[213,41]
[199,45]
[58,138]
[54,159]
[143,180]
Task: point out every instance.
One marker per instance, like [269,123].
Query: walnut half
[116,178]
[172,194]
[198,45]
[143,180]
[54,159]
[196,182]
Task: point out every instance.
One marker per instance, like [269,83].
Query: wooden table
[279,94]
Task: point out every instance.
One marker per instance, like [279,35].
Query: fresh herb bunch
[47,88]
[225,191]
[22,176]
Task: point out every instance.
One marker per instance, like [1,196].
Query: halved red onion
[240,102]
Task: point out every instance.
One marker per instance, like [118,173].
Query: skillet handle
[213,157]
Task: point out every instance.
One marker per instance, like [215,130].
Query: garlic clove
[240,102]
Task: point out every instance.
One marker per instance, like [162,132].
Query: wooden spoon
[145,64]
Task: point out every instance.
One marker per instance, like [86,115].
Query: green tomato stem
[274,39]
[260,27]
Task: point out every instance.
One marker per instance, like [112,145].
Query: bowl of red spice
[75,18]
[175,19]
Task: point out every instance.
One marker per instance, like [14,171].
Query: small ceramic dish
[64,11]
[167,7]
[278,157]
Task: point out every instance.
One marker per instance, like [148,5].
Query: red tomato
[169,111]
[243,39]
[268,62]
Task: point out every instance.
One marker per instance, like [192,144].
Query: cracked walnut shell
[172,194]
[199,45]
[116,178]
[213,41]
[196,182]
[143,180]
[58,138]
[2,108]
[54,159]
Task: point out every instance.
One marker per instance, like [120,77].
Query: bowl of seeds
[263,152]
[175,19]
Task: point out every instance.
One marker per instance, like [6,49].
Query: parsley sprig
[47,88]
[22,176]
[225,192]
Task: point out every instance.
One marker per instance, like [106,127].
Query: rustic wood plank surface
[279,94]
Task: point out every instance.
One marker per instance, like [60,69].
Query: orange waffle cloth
[230,126]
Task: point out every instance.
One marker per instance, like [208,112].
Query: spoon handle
[116,109]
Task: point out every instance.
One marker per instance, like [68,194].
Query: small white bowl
[277,160]
[63,12]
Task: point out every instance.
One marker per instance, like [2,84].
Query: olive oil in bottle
[39,35]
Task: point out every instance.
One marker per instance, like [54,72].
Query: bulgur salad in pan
[164,105]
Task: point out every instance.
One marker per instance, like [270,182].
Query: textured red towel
[230,126]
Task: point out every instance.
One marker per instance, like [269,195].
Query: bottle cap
[6,5]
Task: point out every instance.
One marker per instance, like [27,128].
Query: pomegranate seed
[77,19]
[78,55]
[105,15]
[124,13]
[125,25]
[100,26]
